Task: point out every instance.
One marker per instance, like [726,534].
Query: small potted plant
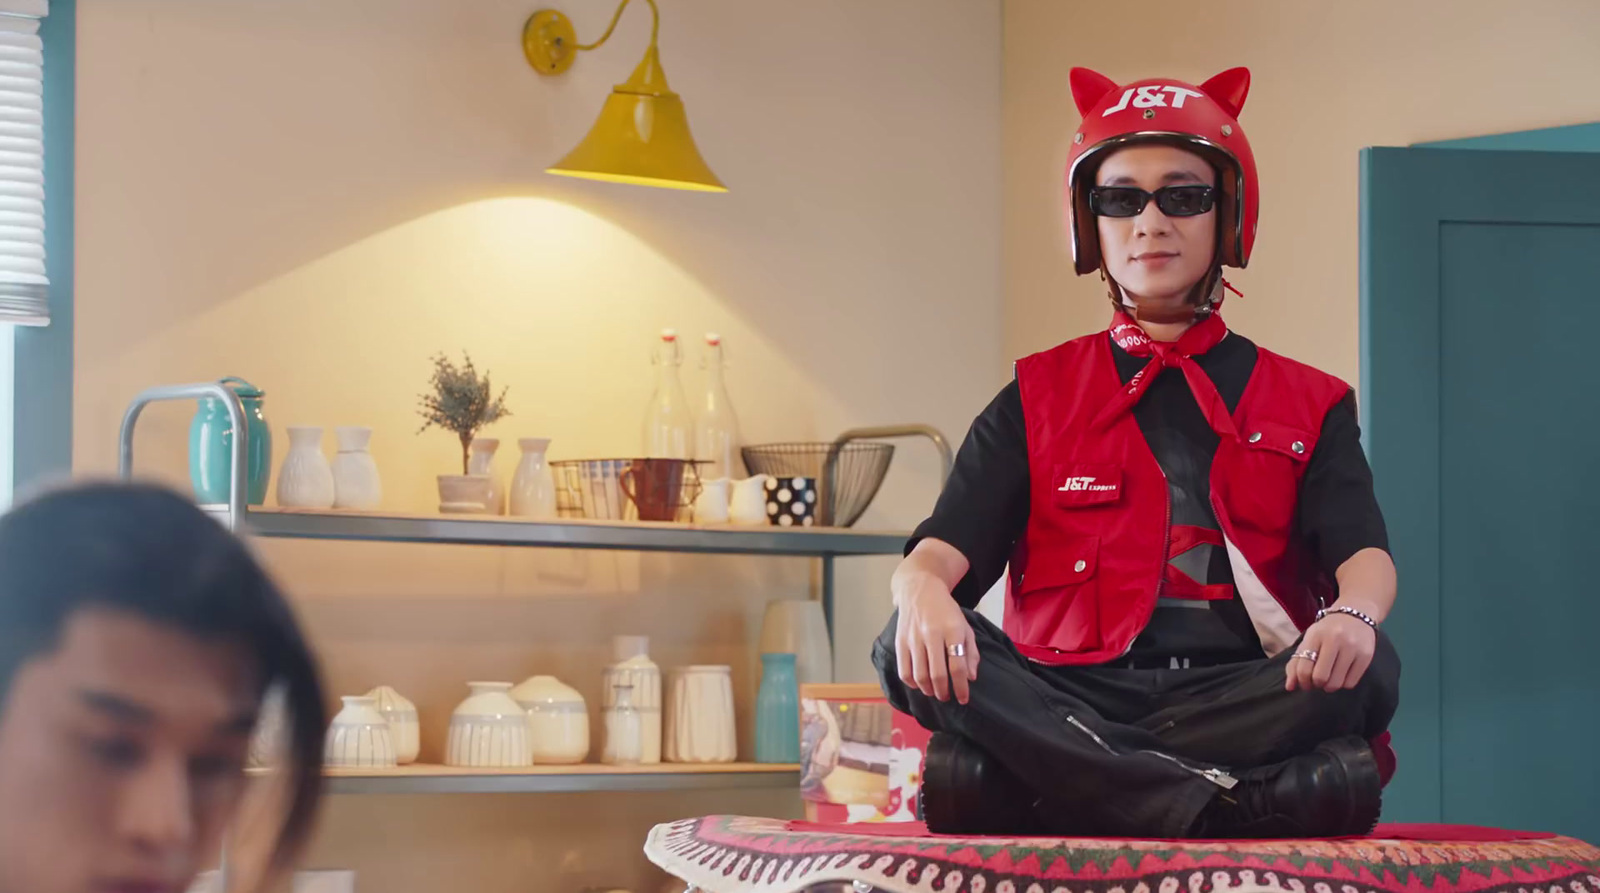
[463,403]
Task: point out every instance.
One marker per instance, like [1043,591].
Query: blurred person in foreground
[138,638]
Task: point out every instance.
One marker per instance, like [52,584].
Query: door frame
[1568,138]
[1407,194]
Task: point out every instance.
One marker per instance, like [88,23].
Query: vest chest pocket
[1285,440]
[1266,477]
[1059,596]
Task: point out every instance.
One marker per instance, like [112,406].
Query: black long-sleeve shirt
[983,510]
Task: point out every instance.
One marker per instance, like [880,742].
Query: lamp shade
[641,137]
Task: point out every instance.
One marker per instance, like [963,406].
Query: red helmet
[1203,120]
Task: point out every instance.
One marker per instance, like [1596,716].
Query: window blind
[24,286]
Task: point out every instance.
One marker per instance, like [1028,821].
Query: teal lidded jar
[211,446]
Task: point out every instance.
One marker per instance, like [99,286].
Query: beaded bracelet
[1359,615]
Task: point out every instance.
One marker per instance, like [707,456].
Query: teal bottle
[211,446]
[778,711]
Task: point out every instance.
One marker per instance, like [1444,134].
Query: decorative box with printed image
[860,759]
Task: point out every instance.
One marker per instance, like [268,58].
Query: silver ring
[1307,654]
[959,649]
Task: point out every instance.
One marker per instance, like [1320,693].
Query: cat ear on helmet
[1229,89]
[1088,88]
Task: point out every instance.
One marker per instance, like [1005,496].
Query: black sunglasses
[1129,201]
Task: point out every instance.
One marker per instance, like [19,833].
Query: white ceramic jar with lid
[558,720]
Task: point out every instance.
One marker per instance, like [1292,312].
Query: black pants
[1124,751]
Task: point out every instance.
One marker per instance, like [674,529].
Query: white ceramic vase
[480,460]
[634,668]
[355,474]
[358,737]
[533,487]
[405,729]
[558,720]
[700,726]
[306,479]
[797,627]
[489,729]
[267,742]
[624,730]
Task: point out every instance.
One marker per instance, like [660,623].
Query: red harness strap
[1180,584]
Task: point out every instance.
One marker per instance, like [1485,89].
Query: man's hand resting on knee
[932,625]
[1343,645]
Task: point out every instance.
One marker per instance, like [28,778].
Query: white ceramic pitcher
[749,505]
[711,506]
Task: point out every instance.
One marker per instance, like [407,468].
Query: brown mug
[655,487]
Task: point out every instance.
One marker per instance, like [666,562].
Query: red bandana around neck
[1180,354]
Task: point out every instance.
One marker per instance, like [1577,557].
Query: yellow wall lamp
[642,134]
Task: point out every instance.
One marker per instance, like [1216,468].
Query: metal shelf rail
[428,779]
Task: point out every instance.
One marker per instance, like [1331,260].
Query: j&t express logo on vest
[1086,485]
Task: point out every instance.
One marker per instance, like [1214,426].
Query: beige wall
[1329,79]
[317,196]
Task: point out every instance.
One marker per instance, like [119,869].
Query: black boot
[1334,791]
[965,791]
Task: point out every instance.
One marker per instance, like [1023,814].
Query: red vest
[1086,574]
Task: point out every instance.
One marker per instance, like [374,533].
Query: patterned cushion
[730,854]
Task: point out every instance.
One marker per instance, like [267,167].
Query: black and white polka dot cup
[791,501]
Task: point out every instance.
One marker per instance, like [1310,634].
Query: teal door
[1480,289]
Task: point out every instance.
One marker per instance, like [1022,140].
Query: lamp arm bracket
[551,44]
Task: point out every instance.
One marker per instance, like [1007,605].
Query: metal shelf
[432,779]
[825,543]
[572,534]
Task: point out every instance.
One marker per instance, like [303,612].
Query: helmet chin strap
[1202,301]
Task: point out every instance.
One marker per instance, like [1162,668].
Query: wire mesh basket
[591,488]
[626,489]
[848,475]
